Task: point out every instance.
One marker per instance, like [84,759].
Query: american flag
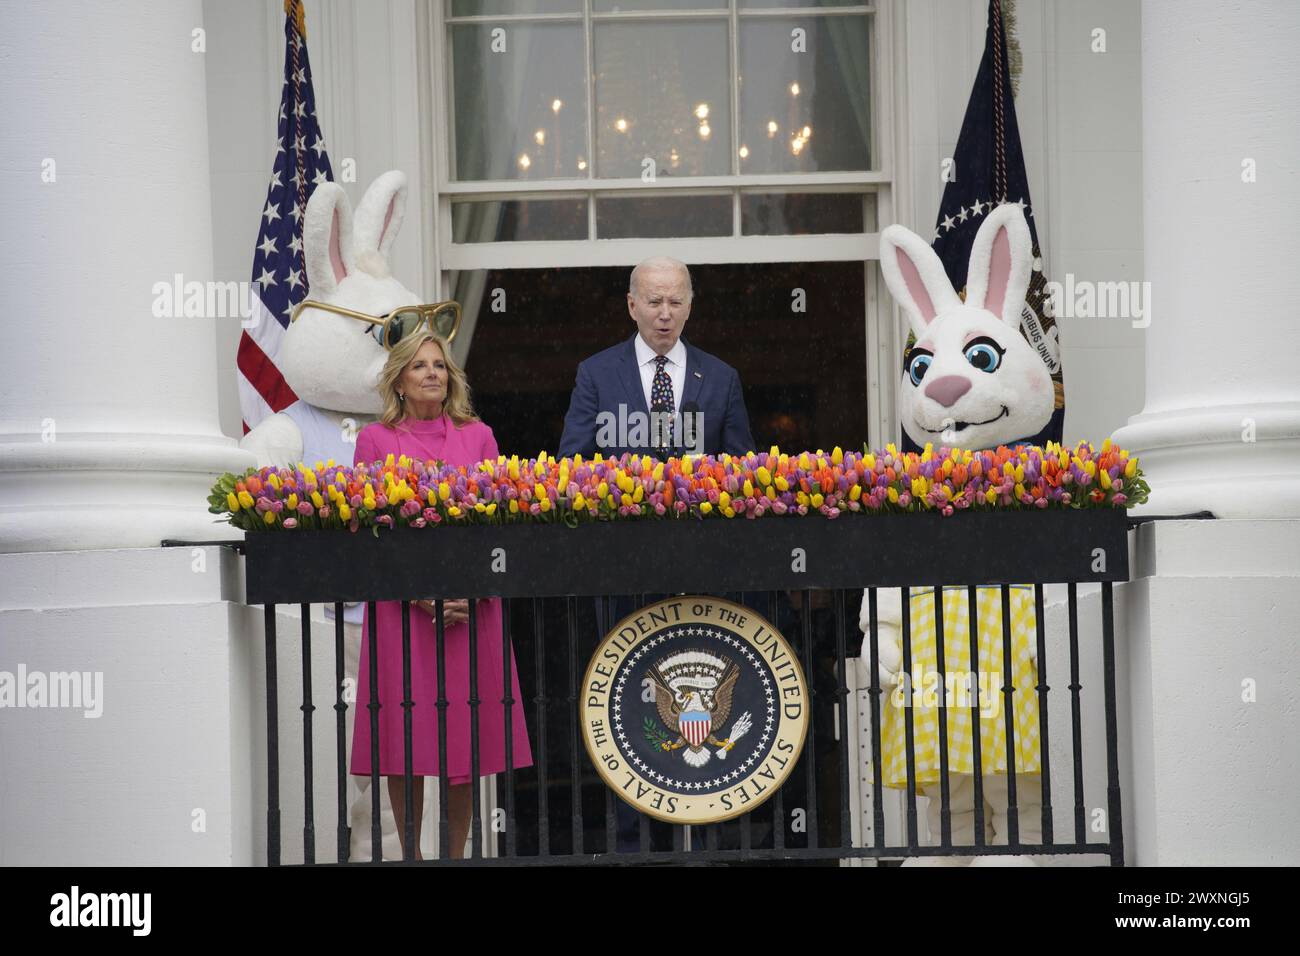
[279,271]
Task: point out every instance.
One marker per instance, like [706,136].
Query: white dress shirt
[675,367]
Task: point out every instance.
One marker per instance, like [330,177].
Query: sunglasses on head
[441,318]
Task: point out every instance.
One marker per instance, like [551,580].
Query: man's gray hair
[660,262]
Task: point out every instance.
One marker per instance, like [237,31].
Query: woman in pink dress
[427,415]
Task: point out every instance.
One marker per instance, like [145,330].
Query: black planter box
[667,556]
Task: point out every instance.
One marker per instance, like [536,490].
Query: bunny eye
[984,354]
[919,365]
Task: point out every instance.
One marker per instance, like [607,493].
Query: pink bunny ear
[380,213]
[327,240]
[915,277]
[1001,258]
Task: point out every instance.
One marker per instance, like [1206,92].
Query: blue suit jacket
[611,378]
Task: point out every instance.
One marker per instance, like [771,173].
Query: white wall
[1080,116]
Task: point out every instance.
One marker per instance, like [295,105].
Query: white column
[1221,131]
[108,415]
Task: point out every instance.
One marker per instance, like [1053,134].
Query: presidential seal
[694,710]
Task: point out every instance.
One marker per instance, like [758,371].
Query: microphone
[691,434]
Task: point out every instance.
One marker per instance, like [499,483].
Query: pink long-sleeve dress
[456,445]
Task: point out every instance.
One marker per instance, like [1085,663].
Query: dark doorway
[804,372]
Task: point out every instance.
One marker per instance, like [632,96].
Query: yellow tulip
[991,496]
[1020,489]
[855,493]
[268,517]
[603,489]
[479,506]
[893,495]
[492,508]
[317,500]
[539,491]
[232,502]
[771,493]
[1103,478]
[782,484]
[625,499]
[389,462]
[748,488]
[764,476]
[773,452]
[638,493]
[729,512]
[804,462]
[292,502]
[837,455]
[444,490]
[817,500]
[724,501]
[273,480]
[705,507]
[579,502]
[454,511]
[514,506]
[801,498]
[1131,468]
[345,512]
[246,499]
[686,465]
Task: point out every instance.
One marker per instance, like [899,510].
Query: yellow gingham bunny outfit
[956,654]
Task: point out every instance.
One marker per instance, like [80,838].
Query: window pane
[519,220]
[667,217]
[622,6]
[798,214]
[493,8]
[661,93]
[520,113]
[804,112]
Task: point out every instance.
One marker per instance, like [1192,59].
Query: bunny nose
[948,389]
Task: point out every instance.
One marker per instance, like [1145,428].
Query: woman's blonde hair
[457,407]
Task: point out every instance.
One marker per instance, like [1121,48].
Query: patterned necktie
[661,400]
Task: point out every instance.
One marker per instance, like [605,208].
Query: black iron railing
[806,574]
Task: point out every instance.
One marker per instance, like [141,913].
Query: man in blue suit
[656,394]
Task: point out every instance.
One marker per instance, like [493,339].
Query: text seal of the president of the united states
[694,709]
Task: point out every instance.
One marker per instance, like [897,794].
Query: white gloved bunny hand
[332,362]
[889,636]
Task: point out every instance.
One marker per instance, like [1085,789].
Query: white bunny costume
[971,381]
[333,363]
[330,361]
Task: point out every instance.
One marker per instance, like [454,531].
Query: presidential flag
[279,271]
[988,169]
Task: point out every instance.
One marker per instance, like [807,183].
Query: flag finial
[294,9]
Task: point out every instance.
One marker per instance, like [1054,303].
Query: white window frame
[888,150]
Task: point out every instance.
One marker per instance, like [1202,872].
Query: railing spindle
[475,826]
[842,708]
[340,737]
[308,785]
[873,695]
[575,731]
[1076,718]
[508,707]
[442,705]
[376,832]
[1009,719]
[1114,812]
[539,701]
[272,742]
[945,805]
[977,725]
[913,841]
[1045,759]
[408,800]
